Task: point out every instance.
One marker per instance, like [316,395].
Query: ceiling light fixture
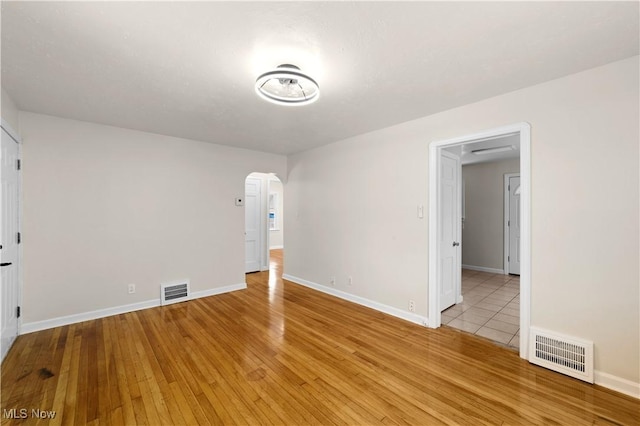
[287,85]
[493,150]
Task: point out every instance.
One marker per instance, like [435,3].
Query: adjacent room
[490,241]
[320,212]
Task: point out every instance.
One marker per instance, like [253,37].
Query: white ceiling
[187,69]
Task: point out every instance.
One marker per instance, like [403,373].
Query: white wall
[351,208]
[483,232]
[105,207]
[276,237]
[9,111]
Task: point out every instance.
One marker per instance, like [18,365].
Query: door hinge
[508,187]
[18,164]
[508,258]
[508,223]
[18,238]
[18,312]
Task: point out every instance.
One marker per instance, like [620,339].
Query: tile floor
[490,307]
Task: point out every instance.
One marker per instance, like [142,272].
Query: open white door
[449,236]
[9,244]
[514,225]
[252,220]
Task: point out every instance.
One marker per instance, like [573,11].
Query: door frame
[507,204]
[14,135]
[435,148]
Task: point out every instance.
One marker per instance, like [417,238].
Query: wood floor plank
[191,414]
[119,380]
[279,353]
[68,409]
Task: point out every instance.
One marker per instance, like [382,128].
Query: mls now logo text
[23,413]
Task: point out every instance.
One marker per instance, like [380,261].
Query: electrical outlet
[349,280]
[412,306]
[332,281]
[132,288]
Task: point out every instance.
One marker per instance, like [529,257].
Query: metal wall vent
[566,355]
[174,293]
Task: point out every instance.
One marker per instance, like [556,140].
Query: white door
[450,221]
[252,222]
[9,243]
[514,225]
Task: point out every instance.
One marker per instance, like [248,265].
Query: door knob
[5,264]
[455,244]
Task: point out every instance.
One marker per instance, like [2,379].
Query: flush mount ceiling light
[486,151]
[287,85]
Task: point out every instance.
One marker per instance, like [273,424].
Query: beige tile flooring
[490,307]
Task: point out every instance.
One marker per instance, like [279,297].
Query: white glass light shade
[287,85]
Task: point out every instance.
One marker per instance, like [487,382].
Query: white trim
[217,290]
[116,310]
[264,224]
[390,310]
[433,287]
[524,130]
[484,269]
[276,247]
[525,235]
[506,247]
[617,384]
[30,327]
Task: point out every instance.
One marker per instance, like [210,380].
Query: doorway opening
[446,221]
[264,220]
[490,305]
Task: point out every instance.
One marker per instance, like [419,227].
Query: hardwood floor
[279,353]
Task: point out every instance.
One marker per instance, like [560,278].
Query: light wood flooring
[279,353]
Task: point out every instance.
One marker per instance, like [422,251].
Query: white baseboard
[399,313]
[483,269]
[617,384]
[217,290]
[30,327]
[276,247]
